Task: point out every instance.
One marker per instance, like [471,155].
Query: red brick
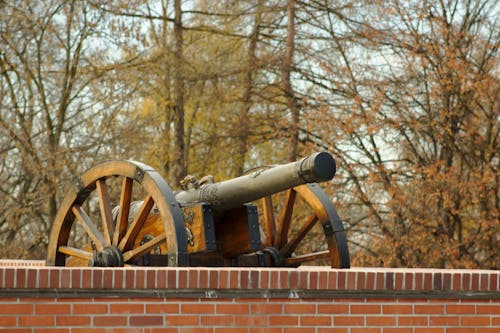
[370,281]
[429,330]
[234,277]
[51,330]
[348,320]
[96,278]
[380,278]
[223,279]
[86,276]
[126,308]
[446,281]
[466,281]
[8,321]
[151,279]
[294,280]
[162,308]
[303,280]
[161,279]
[365,308]
[200,308]
[65,278]
[32,278]
[462,330]
[316,320]
[16,330]
[140,278]
[232,308]
[107,279]
[323,280]
[8,281]
[332,280]
[380,321]
[226,330]
[16,309]
[73,320]
[398,281]
[52,308]
[180,320]
[365,330]
[494,282]
[90,308]
[110,321]
[283,320]
[250,321]
[413,321]
[341,280]
[76,279]
[217,320]
[181,330]
[484,282]
[331,330]
[460,308]
[265,308]
[89,330]
[297,330]
[351,280]
[443,320]
[299,308]
[264,279]
[361,284]
[36,320]
[397,330]
[21,278]
[488,309]
[428,281]
[313,280]
[397,309]
[333,308]
[146,321]
[265,330]
[172,279]
[389,281]
[475,320]
[475,281]
[428,309]
[203,277]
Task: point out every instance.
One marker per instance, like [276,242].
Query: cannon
[123,213]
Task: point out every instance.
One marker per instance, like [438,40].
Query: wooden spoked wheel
[86,232]
[303,227]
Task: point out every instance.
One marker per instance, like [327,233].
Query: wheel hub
[110,256]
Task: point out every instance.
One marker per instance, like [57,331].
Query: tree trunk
[178,171]
[287,84]
[243,121]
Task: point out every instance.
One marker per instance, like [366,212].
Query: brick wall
[37,299]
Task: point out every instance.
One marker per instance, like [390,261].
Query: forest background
[404,94]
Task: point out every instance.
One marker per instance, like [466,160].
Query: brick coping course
[20,277]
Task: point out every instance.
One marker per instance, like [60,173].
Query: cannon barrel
[232,193]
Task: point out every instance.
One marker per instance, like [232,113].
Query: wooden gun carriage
[271,216]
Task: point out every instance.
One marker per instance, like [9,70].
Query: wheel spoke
[125,200]
[144,248]
[285,218]
[288,248]
[89,227]
[270,224]
[106,216]
[306,257]
[136,226]
[74,252]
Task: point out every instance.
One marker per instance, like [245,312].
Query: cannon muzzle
[318,167]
